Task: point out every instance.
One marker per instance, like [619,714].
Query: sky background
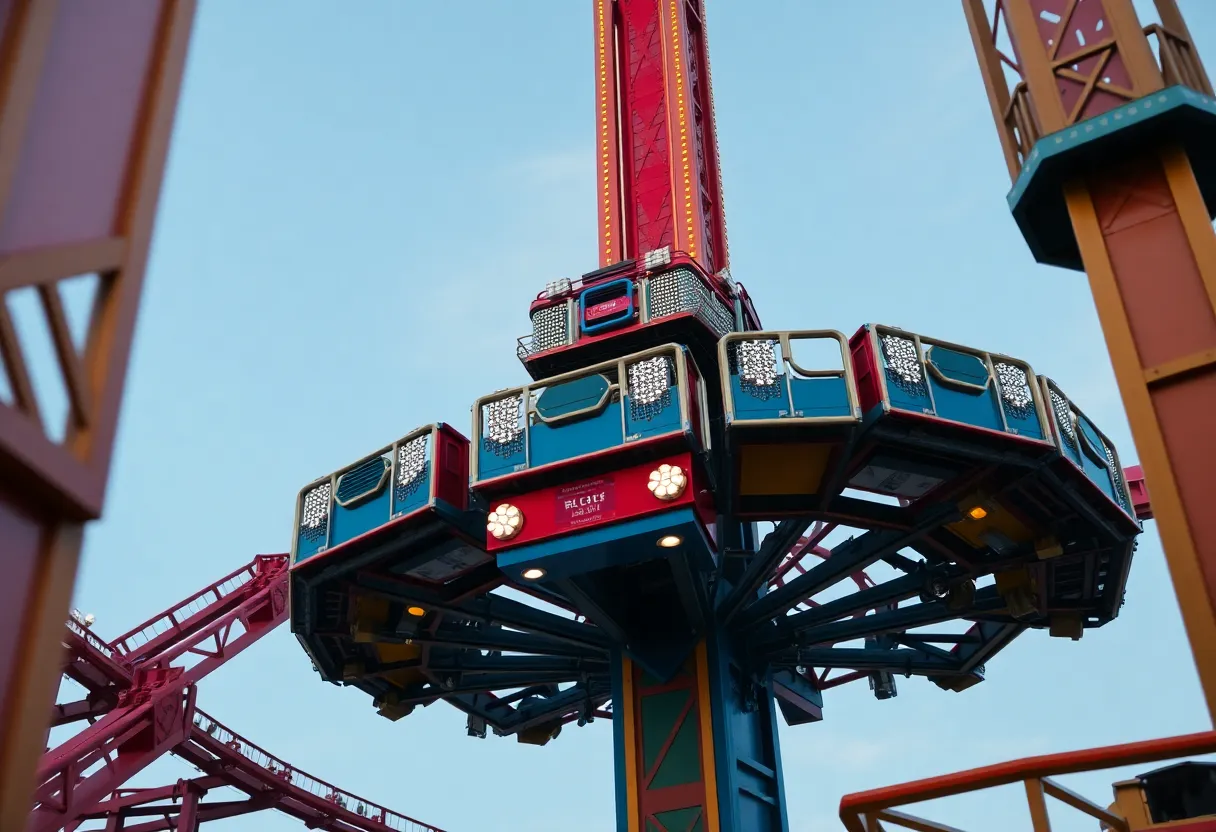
[360,201]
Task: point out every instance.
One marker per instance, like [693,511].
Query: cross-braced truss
[139,700]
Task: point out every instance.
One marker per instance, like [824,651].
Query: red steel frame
[867,811]
[144,700]
[88,93]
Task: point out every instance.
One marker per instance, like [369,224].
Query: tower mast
[659,183]
[1112,161]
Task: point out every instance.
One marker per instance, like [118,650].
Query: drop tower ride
[690,525]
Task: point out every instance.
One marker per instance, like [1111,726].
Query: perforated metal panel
[1064,418]
[903,363]
[503,428]
[681,290]
[550,328]
[756,365]
[650,383]
[314,514]
[1015,389]
[411,466]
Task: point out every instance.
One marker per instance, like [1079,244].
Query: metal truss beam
[458,635]
[148,710]
[474,662]
[851,556]
[900,660]
[760,568]
[505,719]
[490,609]
[880,623]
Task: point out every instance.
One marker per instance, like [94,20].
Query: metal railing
[877,810]
[92,639]
[306,782]
[138,640]
[1179,61]
[1020,123]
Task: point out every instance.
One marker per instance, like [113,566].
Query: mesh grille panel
[903,362]
[314,514]
[755,362]
[650,384]
[1015,389]
[411,466]
[361,480]
[1063,414]
[502,423]
[681,290]
[550,328]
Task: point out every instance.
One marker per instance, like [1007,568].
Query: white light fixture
[533,574]
[670,541]
[558,287]
[667,482]
[656,258]
[505,522]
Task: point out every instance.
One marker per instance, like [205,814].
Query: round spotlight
[505,522]
[417,612]
[533,574]
[977,512]
[670,541]
[667,482]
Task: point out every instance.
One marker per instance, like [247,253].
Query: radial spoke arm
[775,547]
[884,594]
[886,621]
[491,609]
[509,715]
[900,660]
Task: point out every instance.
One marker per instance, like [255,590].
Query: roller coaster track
[140,703]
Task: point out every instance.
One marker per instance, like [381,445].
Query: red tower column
[659,183]
[1113,158]
[87,97]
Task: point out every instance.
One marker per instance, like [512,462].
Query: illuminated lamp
[977,512]
[533,574]
[505,522]
[670,541]
[417,612]
[667,482]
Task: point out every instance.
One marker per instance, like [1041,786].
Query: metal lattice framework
[871,607]
[140,691]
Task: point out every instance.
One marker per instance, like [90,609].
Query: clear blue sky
[360,201]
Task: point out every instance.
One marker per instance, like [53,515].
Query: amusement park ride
[628,489]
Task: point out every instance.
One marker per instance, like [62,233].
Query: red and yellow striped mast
[659,183]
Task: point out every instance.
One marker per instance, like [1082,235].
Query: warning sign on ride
[587,502]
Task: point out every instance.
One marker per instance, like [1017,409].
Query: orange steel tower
[1113,157]
[88,93]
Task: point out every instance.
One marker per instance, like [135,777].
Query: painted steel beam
[851,556]
[776,545]
[879,623]
[490,609]
[1112,175]
[88,93]
[889,592]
